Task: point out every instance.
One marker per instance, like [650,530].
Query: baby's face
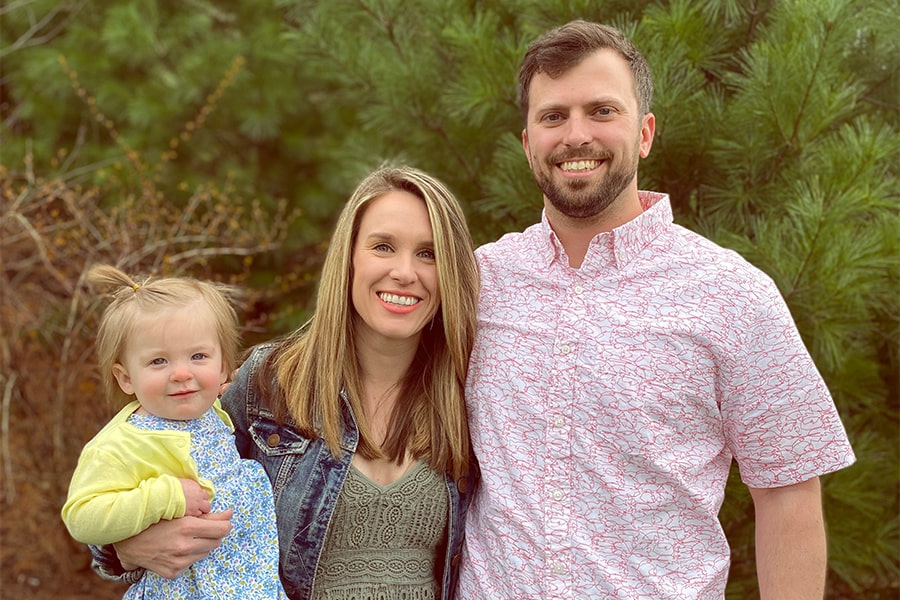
[173,363]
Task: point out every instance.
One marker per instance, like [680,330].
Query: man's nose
[578,131]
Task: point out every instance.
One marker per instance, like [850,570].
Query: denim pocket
[273,439]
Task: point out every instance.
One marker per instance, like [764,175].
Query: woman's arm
[170,547]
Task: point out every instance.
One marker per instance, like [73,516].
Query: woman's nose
[404,270]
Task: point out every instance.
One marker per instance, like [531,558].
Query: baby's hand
[196,500]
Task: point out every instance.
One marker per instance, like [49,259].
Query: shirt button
[558,495]
[273,440]
[559,568]
[578,289]
[462,485]
[565,349]
[559,422]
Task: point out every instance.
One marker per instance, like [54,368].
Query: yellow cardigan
[127,479]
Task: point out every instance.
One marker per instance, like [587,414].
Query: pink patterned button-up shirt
[606,405]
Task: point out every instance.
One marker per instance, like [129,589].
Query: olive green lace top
[383,542]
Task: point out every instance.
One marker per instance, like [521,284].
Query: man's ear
[122,377]
[526,148]
[648,130]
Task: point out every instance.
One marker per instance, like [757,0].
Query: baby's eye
[199,356]
[157,362]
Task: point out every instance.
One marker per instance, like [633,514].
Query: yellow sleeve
[109,500]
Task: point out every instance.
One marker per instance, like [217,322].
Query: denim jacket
[306,480]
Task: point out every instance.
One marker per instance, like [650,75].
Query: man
[622,362]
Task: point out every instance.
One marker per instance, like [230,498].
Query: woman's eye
[428,254]
[382,247]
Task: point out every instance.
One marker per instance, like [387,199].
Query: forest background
[219,139]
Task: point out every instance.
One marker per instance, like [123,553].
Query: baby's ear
[122,377]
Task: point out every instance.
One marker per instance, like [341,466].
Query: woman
[358,417]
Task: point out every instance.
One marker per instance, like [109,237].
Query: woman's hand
[169,548]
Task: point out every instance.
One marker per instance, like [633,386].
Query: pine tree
[769,143]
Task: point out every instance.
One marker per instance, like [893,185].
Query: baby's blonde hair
[133,300]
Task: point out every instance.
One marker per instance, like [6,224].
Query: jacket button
[455,560]
[462,485]
[273,440]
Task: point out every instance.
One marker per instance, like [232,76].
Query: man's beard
[581,198]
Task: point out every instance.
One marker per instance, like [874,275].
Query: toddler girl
[170,452]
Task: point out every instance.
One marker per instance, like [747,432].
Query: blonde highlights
[316,363]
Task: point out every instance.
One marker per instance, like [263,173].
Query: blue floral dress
[245,565]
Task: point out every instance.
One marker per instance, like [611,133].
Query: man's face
[585,135]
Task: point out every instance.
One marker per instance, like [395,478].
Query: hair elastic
[135,287]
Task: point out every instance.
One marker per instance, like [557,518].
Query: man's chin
[575,210]
[577,185]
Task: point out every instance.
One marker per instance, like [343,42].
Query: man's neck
[575,234]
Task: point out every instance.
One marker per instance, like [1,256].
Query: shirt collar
[620,246]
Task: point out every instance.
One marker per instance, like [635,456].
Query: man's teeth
[580,165]
[401,300]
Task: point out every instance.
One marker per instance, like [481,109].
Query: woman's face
[394,289]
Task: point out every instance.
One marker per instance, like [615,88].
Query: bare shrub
[51,232]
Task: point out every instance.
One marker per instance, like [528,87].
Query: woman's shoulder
[257,354]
